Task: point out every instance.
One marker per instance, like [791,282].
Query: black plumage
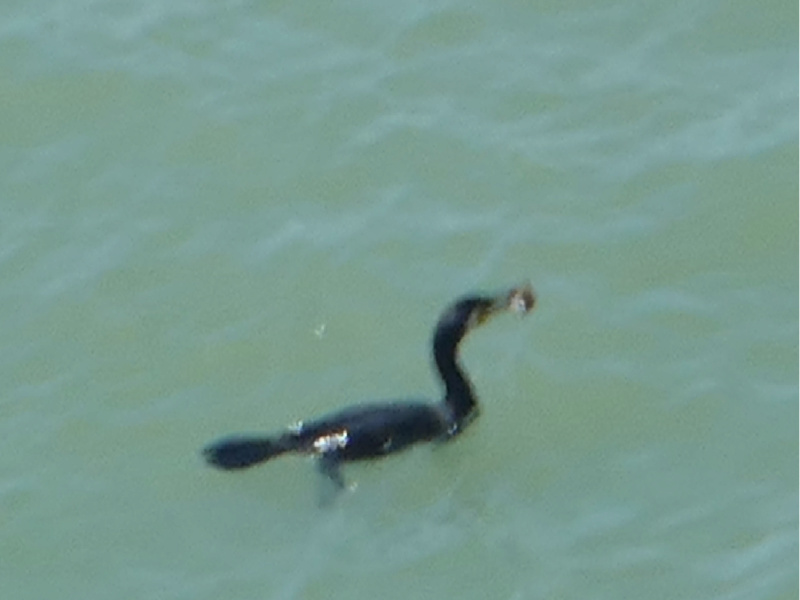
[373,430]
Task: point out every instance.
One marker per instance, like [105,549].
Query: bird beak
[520,300]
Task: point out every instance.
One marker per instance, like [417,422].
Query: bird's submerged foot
[332,482]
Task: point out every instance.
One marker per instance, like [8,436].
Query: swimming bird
[374,430]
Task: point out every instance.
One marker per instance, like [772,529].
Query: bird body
[373,430]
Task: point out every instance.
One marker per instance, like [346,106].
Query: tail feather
[240,452]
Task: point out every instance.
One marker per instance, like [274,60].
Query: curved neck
[458,395]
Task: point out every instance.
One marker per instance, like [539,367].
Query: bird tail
[240,452]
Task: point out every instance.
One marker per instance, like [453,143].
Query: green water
[225,216]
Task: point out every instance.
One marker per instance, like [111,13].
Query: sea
[227,216]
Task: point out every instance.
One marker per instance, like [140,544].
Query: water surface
[225,216]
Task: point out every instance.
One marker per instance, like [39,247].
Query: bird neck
[459,398]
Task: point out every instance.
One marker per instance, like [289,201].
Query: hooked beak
[520,299]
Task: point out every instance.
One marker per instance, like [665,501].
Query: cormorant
[374,430]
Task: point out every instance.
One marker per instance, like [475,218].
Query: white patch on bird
[320,331]
[296,427]
[332,441]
